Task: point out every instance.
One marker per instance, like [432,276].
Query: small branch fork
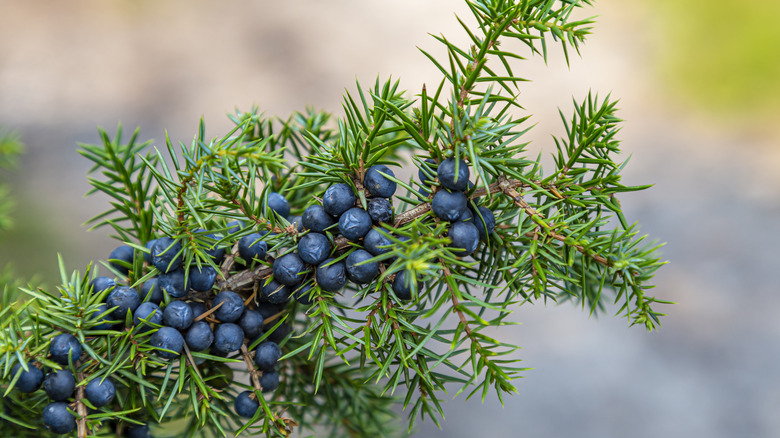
[251,368]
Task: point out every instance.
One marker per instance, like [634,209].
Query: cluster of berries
[60,386]
[341,214]
[467,225]
[222,324]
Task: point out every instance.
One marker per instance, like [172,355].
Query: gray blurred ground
[711,371]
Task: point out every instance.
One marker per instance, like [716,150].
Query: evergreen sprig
[350,355]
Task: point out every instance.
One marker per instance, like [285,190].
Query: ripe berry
[427,176]
[464,236]
[148,312]
[100,391]
[166,255]
[57,419]
[331,276]
[278,204]
[59,385]
[141,431]
[316,219]
[100,284]
[173,283]
[380,210]
[275,293]
[228,337]
[246,405]
[167,338]
[288,269]
[448,206]
[202,278]
[269,381]
[267,355]
[377,184]
[376,243]
[232,306]
[30,380]
[313,248]
[252,247]
[121,257]
[126,298]
[63,346]
[354,223]
[199,337]
[449,178]
[106,321]
[357,270]
[401,289]
[303,295]
[485,222]
[338,198]
[251,322]
[151,291]
[178,315]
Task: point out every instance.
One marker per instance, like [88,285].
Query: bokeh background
[699,83]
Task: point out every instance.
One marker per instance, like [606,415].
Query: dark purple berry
[279,204]
[357,270]
[228,337]
[449,177]
[380,210]
[288,269]
[57,419]
[30,380]
[199,337]
[100,391]
[59,385]
[65,346]
[338,198]
[377,184]
[275,292]
[167,338]
[166,254]
[354,223]
[178,315]
[465,238]
[313,248]
[124,299]
[267,355]
[448,206]
[232,306]
[246,405]
[331,276]
[316,219]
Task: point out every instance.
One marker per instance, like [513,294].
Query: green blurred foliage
[723,54]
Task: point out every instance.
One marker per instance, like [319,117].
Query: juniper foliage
[349,356]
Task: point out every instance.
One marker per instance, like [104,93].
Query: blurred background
[699,88]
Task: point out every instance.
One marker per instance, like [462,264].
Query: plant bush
[304,274]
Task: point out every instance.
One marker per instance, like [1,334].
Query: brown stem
[456,304]
[507,188]
[251,368]
[81,409]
